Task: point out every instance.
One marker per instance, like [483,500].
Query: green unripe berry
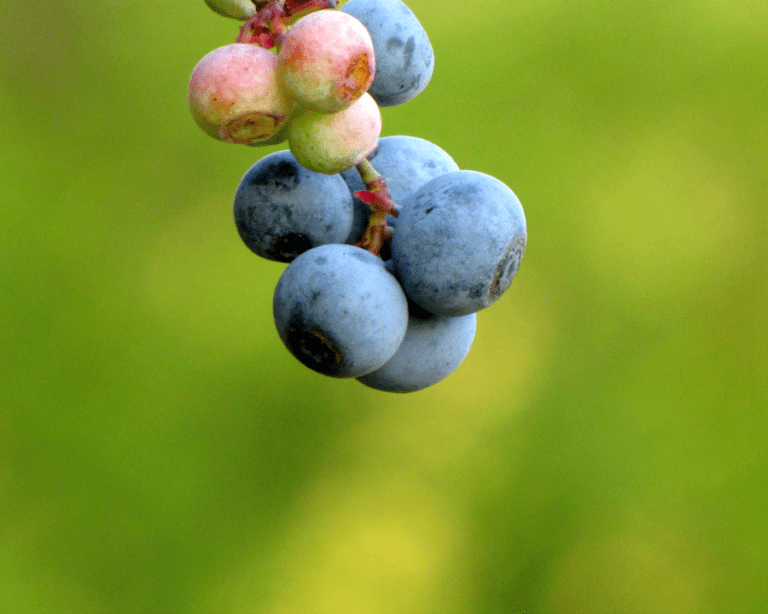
[335,142]
[236,9]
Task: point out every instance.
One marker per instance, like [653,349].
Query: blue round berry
[339,311]
[458,243]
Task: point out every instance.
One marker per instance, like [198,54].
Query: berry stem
[377,197]
[265,28]
[269,25]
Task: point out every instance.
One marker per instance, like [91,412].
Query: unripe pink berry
[335,142]
[234,95]
[326,61]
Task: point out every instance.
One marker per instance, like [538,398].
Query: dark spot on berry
[408,53]
[393,43]
[477,291]
[313,349]
[360,254]
[283,175]
[287,247]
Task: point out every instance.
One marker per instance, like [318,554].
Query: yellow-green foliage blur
[601,450]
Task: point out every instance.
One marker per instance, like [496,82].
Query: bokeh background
[603,447]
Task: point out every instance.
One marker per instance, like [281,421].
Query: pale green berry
[334,142]
[237,9]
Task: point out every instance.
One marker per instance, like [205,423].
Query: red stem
[377,196]
[267,27]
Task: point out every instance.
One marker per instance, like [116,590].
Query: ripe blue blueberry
[404,56]
[339,311]
[281,209]
[458,243]
[433,348]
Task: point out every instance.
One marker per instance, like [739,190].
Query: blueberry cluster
[391,248]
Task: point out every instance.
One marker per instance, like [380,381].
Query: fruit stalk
[269,25]
[381,203]
[265,28]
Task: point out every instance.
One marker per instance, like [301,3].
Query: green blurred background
[602,448]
